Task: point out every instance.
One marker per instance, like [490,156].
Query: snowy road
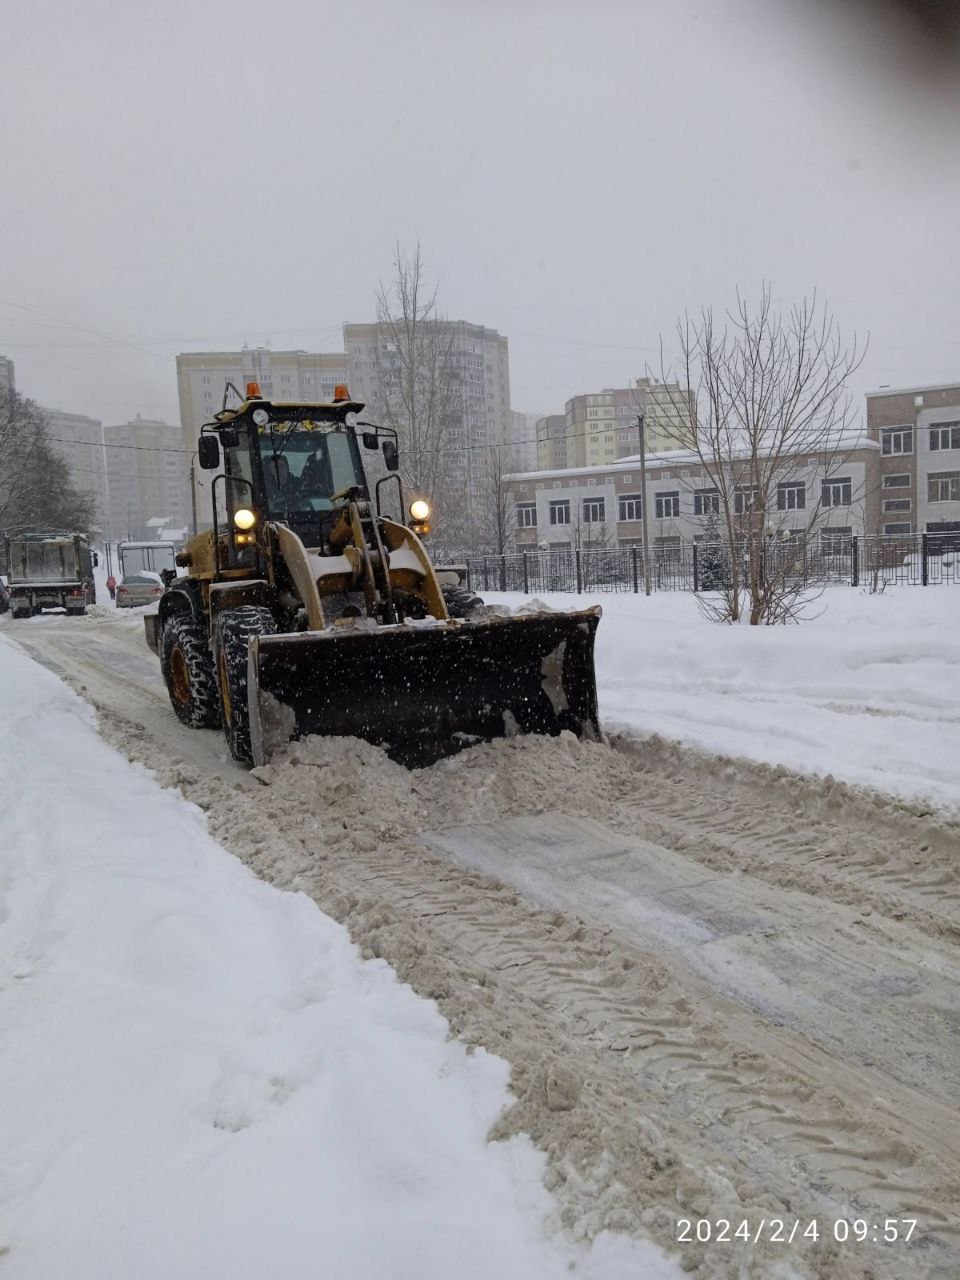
[725,991]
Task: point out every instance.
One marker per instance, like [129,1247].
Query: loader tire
[235,627]
[460,601]
[187,668]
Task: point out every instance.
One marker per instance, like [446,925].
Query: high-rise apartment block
[480,359]
[78,441]
[522,453]
[147,494]
[602,426]
[551,442]
[7,383]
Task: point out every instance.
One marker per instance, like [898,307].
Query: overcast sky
[189,176]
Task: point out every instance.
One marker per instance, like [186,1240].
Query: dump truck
[306,609]
[52,570]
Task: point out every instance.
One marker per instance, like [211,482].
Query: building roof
[674,458]
[880,393]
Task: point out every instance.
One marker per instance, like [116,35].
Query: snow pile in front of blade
[199,1075]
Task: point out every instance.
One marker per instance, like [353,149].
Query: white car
[139,588]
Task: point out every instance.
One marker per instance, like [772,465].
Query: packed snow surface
[866,690]
[201,1078]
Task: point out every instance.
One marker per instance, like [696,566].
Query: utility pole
[643,503]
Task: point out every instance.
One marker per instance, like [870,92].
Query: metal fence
[873,561]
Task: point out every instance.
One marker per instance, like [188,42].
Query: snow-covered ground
[868,691]
[199,1077]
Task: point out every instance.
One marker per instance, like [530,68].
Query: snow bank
[869,691]
[199,1076]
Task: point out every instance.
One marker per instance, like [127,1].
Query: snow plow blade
[426,691]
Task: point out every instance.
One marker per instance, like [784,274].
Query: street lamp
[641,419]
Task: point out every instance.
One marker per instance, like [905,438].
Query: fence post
[469,588]
[924,569]
[579,571]
[503,573]
[486,578]
[633,557]
[856,560]
[526,579]
[696,568]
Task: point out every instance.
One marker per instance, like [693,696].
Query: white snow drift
[198,1075]
[868,690]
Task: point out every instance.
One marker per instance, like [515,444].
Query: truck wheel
[460,601]
[21,613]
[188,673]
[235,628]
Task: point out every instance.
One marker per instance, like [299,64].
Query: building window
[631,506]
[944,486]
[668,504]
[706,502]
[560,512]
[593,510]
[836,541]
[899,481]
[898,529]
[837,492]
[897,440]
[745,498]
[945,436]
[526,515]
[791,496]
[898,504]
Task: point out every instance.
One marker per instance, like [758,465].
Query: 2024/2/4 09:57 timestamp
[795,1231]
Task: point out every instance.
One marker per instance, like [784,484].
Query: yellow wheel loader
[307,610]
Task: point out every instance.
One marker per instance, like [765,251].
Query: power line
[98,444]
[457,448]
[69,324]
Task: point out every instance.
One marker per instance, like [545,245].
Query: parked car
[139,588]
[4,598]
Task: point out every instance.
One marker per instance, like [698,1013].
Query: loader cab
[292,464]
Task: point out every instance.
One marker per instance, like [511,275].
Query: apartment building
[599,427]
[551,442]
[147,488]
[7,382]
[78,441]
[523,436]
[202,377]
[480,359]
[917,430]
[602,505]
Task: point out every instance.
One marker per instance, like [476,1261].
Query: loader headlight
[419,510]
[244,519]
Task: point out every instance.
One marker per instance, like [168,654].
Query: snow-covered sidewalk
[868,691]
[200,1078]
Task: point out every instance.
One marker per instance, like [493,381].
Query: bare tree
[35,488]
[420,385]
[498,503]
[772,414]
[21,446]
